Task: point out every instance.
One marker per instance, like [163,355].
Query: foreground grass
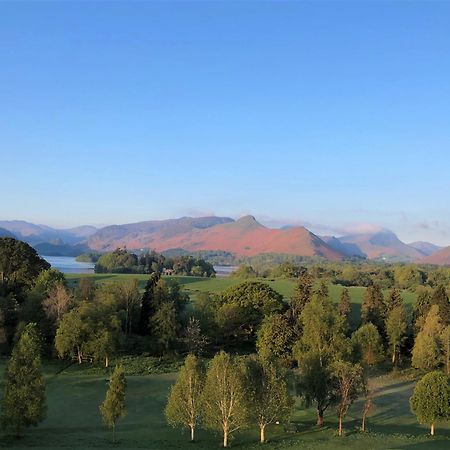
[74,421]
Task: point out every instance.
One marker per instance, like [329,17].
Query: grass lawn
[73,420]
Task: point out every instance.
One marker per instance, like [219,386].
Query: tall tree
[396,327]
[373,309]
[147,305]
[275,339]
[322,342]
[24,401]
[426,353]
[130,299]
[368,404]
[430,401]
[70,335]
[58,302]
[445,340]
[184,404]
[165,326]
[225,396]
[269,399]
[251,302]
[393,300]
[344,305]
[421,308]
[349,381]
[367,344]
[113,407]
[302,295]
[440,298]
[20,265]
[193,337]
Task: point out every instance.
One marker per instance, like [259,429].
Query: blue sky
[334,115]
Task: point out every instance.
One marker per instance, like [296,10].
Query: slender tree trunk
[393,355]
[262,434]
[363,424]
[79,355]
[225,437]
[106,361]
[340,425]
[192,434]
[432,429]
[319,417]
[114,432]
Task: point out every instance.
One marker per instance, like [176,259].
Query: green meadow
[73,420]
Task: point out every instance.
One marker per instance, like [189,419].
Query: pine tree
[147,305]
[373,308]
[24,402]
[344,306]
[394,299]
[421,308]
[184,403]
[302,295]
[441,299]
[113,407]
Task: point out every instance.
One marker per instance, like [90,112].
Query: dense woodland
[249,352]
[122,261]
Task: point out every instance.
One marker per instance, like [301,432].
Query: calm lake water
[68,264]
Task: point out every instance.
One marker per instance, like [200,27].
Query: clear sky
[334,115]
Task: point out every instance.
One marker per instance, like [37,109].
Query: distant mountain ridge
[441,257]
[47,240]
[383,245]
[242,237]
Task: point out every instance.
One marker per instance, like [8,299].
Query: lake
[68,264]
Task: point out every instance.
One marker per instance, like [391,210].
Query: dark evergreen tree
[441,299]
[394,300]
[24,396]
[373,309]
[148,305]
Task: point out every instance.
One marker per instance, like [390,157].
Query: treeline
[364,274]
[122,261]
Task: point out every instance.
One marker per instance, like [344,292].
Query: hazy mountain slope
[426,248]
[348,249]
[383,244]
[244,237]
[36,234]
[6,233]
[148,234]
[442,257]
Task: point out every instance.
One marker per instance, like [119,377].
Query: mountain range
[243,237]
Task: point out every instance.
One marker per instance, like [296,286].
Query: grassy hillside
[74,422]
